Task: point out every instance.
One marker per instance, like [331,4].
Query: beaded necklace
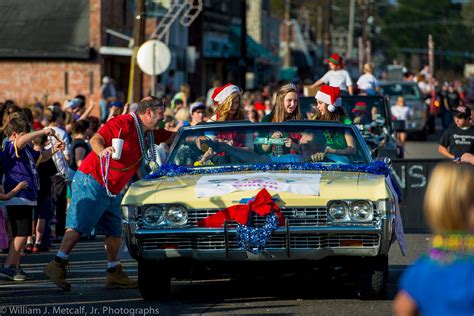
[452,246]
[149,156]
[104,170]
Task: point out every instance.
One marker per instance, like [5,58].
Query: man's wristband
[456,158]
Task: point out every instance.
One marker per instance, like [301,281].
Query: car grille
[296,217]
[213,242]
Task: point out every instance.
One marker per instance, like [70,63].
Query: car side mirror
[385,160]
[399,125]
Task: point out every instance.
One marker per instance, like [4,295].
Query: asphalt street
[299,294]
[287,295]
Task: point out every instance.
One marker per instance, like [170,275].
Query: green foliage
[410,22]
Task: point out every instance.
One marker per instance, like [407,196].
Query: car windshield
[365,111]
[250,144]
[408,91]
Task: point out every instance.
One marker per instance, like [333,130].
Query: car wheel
[154,282]
[373,275]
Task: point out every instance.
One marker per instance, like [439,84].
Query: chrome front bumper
[288,243]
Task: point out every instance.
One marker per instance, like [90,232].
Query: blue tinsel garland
[254,239]
[171,170]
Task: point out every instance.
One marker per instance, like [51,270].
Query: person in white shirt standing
[367,82]
[56,119]
[336,76]
[401,112]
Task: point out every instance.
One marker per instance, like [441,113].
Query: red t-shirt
[131,152]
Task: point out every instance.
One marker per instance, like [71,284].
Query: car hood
[333,185]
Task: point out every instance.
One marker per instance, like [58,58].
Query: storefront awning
[254,49]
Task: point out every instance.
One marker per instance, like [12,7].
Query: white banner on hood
[216,185]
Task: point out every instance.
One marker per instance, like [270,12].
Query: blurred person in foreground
[458,139]
[441,282]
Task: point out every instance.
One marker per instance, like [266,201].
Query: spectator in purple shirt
[19,164]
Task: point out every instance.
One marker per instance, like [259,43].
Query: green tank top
[335,140]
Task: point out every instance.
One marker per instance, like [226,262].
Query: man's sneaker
[20,271]
[28,248]
[57,272]
[12,274]
[117,278]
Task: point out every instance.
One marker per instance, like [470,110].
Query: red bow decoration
[262,204]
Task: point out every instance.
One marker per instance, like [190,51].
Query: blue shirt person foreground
[442,281]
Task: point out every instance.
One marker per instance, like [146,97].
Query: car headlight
[176,215]
[362,211]
[338,211]
[153,215]
[129,212]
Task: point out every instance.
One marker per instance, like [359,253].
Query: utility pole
[243,45]
[287,60]
[368,52]
[431,54]
[136,76]
[319,33]
[327,27]
[350,35]
[365,16]
[361,54]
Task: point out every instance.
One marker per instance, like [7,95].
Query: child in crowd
[3,232]
[337,76]
[458,139]
[442,282]
[367,83]
[43,211]
[19,162]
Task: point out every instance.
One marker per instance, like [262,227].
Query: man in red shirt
[96,196]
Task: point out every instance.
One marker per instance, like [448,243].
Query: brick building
[49,49]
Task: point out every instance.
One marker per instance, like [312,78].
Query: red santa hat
[330,96]
[259,106]
[221,93]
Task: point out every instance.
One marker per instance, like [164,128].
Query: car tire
[373,275]
[154,282]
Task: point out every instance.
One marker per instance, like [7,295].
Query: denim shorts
[91,207]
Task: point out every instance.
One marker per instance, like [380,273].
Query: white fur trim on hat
[326,98]
[225,93]
[323,97]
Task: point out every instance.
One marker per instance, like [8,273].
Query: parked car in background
[331,211]
[417,125]
[371,114]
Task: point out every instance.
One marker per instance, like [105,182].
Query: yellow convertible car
[233,195]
